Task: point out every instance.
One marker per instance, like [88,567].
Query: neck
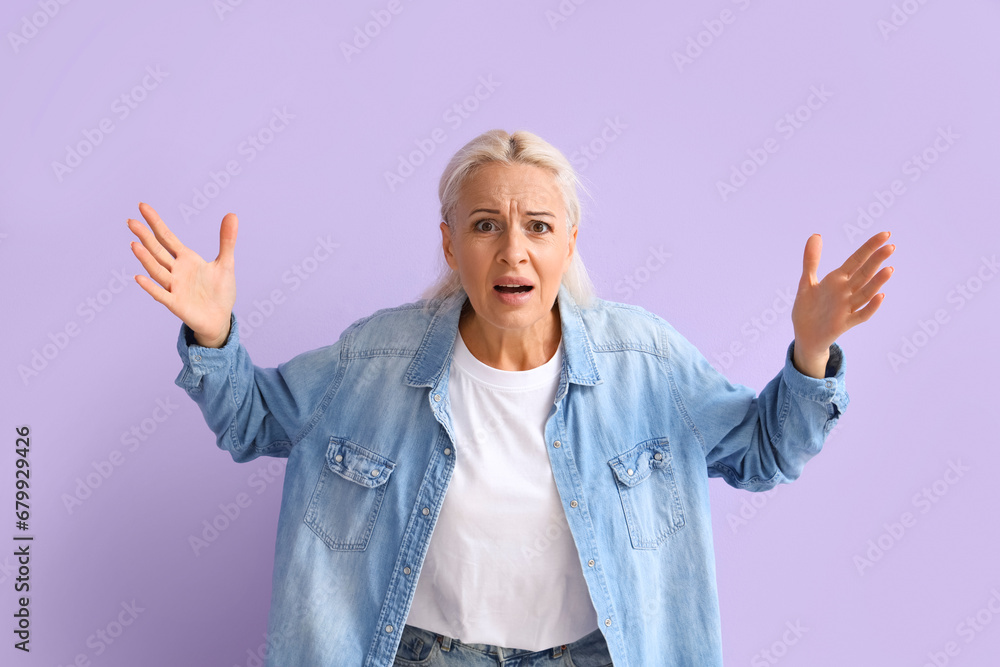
[511,350]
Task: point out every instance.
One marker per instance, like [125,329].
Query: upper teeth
[513,286]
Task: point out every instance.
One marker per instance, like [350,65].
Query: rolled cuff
[199,360]
[831,389]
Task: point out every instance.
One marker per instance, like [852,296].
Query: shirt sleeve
[254,411]
[756,442]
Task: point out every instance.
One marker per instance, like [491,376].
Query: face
[509,226]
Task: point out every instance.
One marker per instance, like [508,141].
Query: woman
[574,437]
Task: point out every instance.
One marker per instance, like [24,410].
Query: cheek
[476,254]
[471,264]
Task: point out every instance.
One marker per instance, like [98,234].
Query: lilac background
[682,129]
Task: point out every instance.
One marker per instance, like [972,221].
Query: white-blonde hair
[521,147]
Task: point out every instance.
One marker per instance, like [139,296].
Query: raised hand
[202,294]
[846,297]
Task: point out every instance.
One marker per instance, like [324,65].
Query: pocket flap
[636,464]
[357,464]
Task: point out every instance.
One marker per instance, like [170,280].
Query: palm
[825,309]
[202,294]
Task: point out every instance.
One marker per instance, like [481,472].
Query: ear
[446,246]
[572,245]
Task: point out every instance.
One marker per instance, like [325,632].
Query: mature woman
[510,468]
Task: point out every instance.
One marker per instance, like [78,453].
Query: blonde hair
[521,147]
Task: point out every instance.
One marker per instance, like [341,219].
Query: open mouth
[515,289]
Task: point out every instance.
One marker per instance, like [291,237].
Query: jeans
[430,649]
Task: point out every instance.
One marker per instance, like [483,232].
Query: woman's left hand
[823,310]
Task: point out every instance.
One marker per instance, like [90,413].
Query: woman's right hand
[202,294]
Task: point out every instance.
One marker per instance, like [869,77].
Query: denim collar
[436,348]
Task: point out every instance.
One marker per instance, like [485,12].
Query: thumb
[227,240]
[810,260]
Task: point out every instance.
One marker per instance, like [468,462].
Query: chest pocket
[345,504]
[645,481]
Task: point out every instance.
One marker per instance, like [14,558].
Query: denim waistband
[505,653]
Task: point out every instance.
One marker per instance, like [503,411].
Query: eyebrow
[496,212]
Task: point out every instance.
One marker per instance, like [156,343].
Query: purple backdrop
[714,138]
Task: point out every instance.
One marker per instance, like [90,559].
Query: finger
[865,313]
[227,240]
[863,275]
[863,295]
[810,260]
[156,271]
[861,255]
[163,233]
[158,252]
[158,293]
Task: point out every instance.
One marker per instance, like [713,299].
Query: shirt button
[630,471]
[374,473]
[388,628]
[657,456]
[829,383]
[573,503]
[425,511]
[338,458]
[437,397]
[557,444]
[607,621]
[197,357]
[447,451]
[406,570]
[590,562]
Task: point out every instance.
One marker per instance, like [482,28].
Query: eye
[536,226]
[488,222]
[546,227]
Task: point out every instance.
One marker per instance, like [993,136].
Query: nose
[513,249]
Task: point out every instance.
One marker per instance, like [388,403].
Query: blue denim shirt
[640,421]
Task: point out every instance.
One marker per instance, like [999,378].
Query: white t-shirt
[502,567]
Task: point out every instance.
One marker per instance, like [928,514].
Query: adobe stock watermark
[105,636]
[914,168]
[88,310]
[752,504]
[756,326]
[633,282]
[779,648]
[562,12]
[296,275]
[8,568]
[29,27]
[542,541]
[211,528]
[926,329]
[122,107]
[224,7]
[258,657]
[786,126]
[900,16]
[101,470]
[586,154]
[924,501]
[454,116]
[363,35]
[967,629]
[249,148]
[714,28]
[486,431]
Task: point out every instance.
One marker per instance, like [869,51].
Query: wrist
[207,341]
[811,364]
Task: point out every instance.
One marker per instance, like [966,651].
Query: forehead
[525,183]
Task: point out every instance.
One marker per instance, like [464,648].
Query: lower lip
[514,298]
